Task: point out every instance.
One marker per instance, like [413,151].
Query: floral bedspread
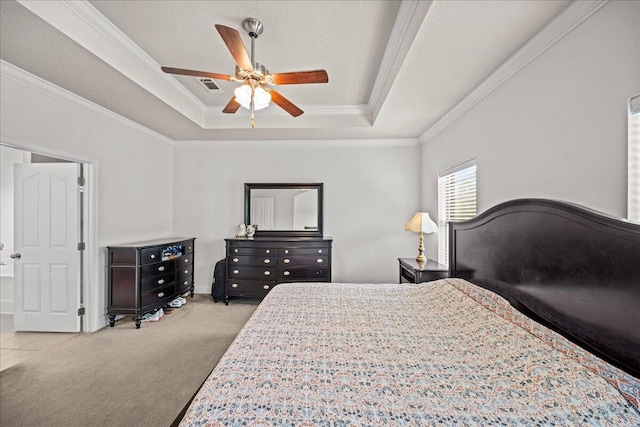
[438,353]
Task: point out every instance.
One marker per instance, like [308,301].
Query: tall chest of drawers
[255,266]
[144,276]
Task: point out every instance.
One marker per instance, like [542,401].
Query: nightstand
[411,271]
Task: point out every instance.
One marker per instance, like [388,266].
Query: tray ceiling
[395,68]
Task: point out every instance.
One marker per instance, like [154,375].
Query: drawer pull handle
[319,251]
[186,260]
[235,250]
[190,248]
[265,287]
[267,261]
[160,282]
[267,273]
[153,256]
[286,251]
[186,282]
[287,260]
[267,251]
[236,271]
[161,268]
[235,260]
[186,272]
[235,285]
[161,294]
[319,260]
[286,273]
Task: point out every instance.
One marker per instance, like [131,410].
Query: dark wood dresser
[255,266]
[144,276]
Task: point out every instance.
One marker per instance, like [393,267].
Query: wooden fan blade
[234,43]
[232,106]
[195,73]
[299,77]
[285,104]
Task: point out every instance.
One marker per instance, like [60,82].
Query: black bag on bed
[219,277]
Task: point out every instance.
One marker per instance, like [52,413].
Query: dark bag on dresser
[219,279]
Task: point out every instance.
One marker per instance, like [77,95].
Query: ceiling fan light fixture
[256,92]
[261,98]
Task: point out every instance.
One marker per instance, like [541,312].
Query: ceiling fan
[255,92]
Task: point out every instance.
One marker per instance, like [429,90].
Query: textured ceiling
[390,75]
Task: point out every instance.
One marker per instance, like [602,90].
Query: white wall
[305,210]
[558,128]
[8,157]
[134,168]
[370,192]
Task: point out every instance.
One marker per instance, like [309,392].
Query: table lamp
[421,223]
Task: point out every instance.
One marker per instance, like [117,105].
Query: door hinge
[81,246]
[81,311]
[81,181]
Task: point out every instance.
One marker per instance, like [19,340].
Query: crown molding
[405,28]
[324,116]
[312,143]
[84,24]
[31,81]
[320,110]
[574,15]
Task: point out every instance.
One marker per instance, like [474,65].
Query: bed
[538,326]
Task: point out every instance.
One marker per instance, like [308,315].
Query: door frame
[94,318]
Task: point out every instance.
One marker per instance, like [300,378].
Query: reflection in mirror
[285,209]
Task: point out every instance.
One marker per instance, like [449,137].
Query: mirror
[284,209]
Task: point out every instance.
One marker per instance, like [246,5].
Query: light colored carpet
[122,376]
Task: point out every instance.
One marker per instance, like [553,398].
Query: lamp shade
[261,97]
[421,223]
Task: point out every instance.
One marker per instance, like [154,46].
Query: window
[456,201]
[633,202]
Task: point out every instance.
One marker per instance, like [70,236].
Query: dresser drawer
[188,247]
[294,274]
[184,284]
[157,296]
[303,251]
[303,260]
[158,268]
[255,261]
[185,271]
[157,281]
[151,256]
[184,261]
[240,272]
[236,287]
[244,250]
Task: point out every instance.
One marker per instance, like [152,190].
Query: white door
[47,260]
[262,212]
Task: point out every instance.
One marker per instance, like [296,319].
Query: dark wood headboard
[573,269]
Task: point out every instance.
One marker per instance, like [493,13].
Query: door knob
[15,256]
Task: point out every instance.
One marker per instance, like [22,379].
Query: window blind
[456,202]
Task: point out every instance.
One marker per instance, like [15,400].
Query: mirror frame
[284,186]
